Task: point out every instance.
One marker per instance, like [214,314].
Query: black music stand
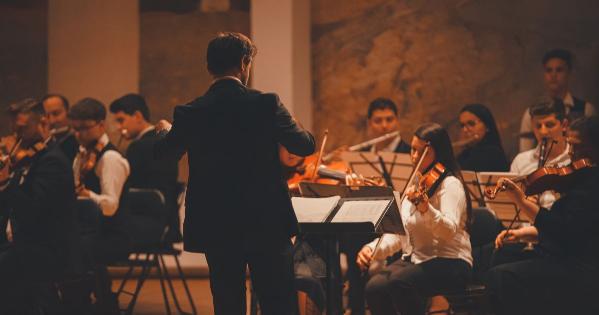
[367,164]
[374,210]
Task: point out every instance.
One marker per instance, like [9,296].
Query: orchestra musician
[481,144]
[436,248]
[383,118]
[132,117]
[100,173]
[37,193]
[557,71]
[56,107]
[238,211]
[549,122]
[564,279]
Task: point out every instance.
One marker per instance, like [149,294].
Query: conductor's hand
[507,237]
[512,190]
[163,125]
[364,258]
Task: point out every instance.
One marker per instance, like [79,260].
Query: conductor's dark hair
[438,138]
[559,53]
[380,104]
[65,101]
[129,104]
[88,109]
[227,51]
[26,106]
[555,106]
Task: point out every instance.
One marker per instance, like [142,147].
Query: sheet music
[361,211]
[313,210]
[503,207]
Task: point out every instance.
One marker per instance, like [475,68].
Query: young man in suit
[238,210]
[132,117]
[39,200]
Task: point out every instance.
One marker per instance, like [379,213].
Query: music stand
[399,165]
[351,215]
[473,187]
[505,210]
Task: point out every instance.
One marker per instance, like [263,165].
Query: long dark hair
[438,139]
[484,114]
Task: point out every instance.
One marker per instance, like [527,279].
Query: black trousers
[543,285]
[403,287]
[271,273]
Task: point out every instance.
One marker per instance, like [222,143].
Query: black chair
[484,230]
[148,227]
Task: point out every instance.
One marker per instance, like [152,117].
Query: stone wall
[432,57]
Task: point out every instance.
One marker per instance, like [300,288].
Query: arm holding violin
[288,131]
[112,180]
[515,193]
[452,208]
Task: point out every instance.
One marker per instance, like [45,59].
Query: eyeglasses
[85,127]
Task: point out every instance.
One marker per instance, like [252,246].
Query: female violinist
[563,279]
[436,248]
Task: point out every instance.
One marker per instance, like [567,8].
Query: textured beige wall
[431,57]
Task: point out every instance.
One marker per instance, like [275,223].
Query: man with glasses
[100,175]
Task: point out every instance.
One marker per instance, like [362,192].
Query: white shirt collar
[103,140]
[143,132]
[568,100]
[390,147]
[561,157]
[227,77]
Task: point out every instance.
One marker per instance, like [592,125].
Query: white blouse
[439,232]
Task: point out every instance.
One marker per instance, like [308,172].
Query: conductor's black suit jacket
[236,193]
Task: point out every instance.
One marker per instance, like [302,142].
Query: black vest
[577,110]
[117,222]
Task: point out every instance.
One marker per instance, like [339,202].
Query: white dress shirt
[112,169]
[439,232]
[528,162]
[526,124]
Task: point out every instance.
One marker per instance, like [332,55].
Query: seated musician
[132,117]
[548,122]
[565,278]
[480,143]
[383,118]
[100,175]
[436,248]
[56,107]
[37,193]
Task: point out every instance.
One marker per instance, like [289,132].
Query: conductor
[238,210]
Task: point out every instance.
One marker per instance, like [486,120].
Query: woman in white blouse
[436,248]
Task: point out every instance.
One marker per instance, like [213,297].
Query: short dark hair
[559,53]
[129,104]
[588,128]
[555,106]
[227,50]
[65,101]
[88,109]
[26,106]
[381,103]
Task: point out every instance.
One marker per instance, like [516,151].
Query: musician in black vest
[56,107]
[101,176]
[39,200]
[557,69]
[132,117]
[238,210]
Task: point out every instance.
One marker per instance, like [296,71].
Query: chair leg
[169,281]
[162,287]
[184,280]
[146,269]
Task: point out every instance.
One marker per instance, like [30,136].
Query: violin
[426,183]
[547,178]
[88,162]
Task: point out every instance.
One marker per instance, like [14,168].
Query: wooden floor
[151,302]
